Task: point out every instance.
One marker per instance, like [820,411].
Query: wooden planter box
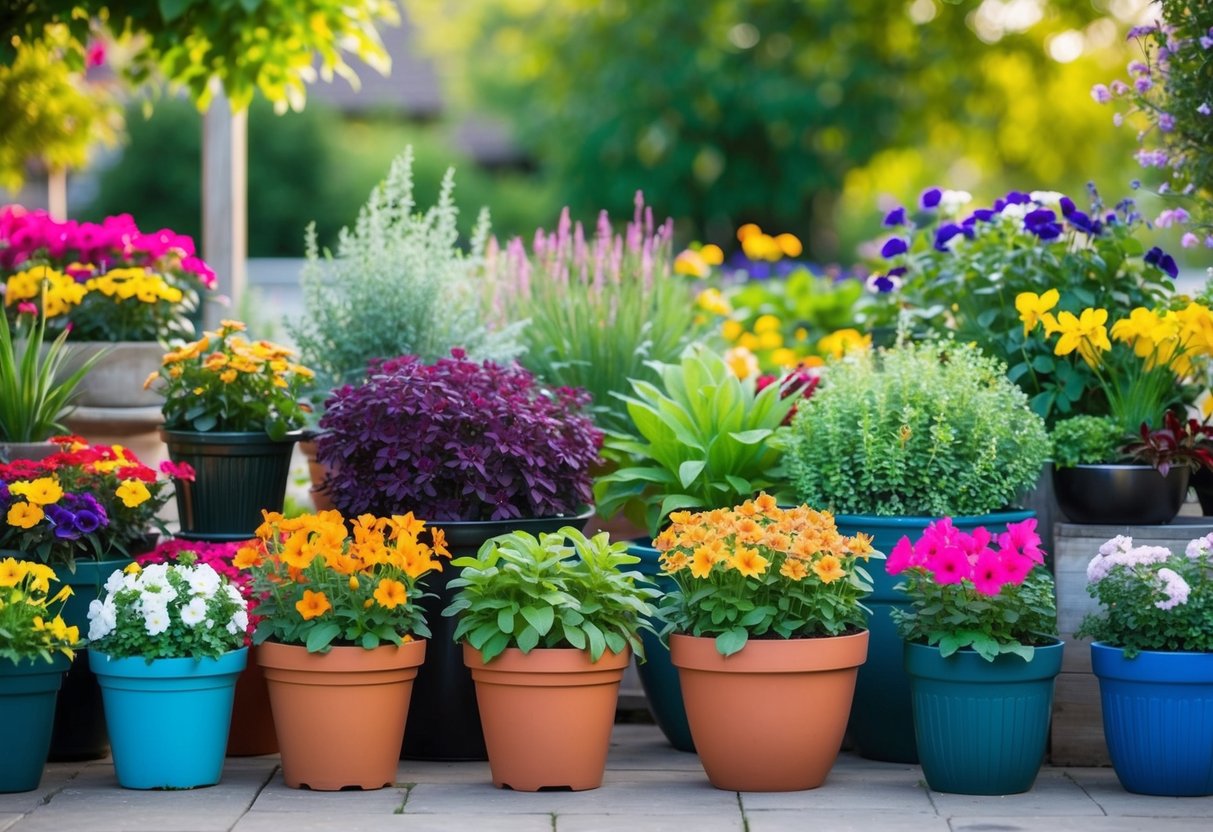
[1077,733]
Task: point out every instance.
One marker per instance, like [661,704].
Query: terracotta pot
[340,716]
[547,715]
[771,717]
[318,472]
[252,732]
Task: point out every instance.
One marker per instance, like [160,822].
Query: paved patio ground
[649,787]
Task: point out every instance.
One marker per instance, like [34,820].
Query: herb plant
[457,440]
[31,627]
[1152,598]
[1086,440]
[224,382]
[597,310]
[759,571]
[168,611]
[555,590]
[398,285]
[973,590]
[321,582]
[705,440]
[927,429]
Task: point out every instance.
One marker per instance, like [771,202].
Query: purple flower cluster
[76,515]
[457,440]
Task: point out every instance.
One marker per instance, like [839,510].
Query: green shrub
[924,429]
[1086,440]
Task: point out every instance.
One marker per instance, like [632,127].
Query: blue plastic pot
[981,726]
[882,725]
[168,719]
[27,700]
[1158,719]
[658,676]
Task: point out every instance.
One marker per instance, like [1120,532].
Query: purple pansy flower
[893,247]
[930,197]
[895,217]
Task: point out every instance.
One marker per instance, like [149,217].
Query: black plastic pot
[1120,495]
[236,476]
[444,719]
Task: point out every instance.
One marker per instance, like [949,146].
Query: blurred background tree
[767,111]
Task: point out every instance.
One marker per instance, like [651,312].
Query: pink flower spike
[950,566]
[901,558]
[178,471]
[27,308]
[988,573]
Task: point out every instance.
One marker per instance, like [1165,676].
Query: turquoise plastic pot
[27,700]
[981,726]
[168,719]
[658,676]
[881,725]
[1158,719]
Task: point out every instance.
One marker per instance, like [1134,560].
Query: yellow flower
[1034,308]
[353,581]
[247,557]
[702,562]
[227,376]
[1087,334]
[746,231]
[133,568]
[742,362]
[710,300]
[24,515]
[731,329]
[11,571]
[133,493]
[391,594]
[794,569]
[843,341]
[42,491]
[312,605]
[712,254]
[766,323]
[691,264]
[790,245]
[770,340]
[761,247]
[828,568]
[41,575]
[748,562]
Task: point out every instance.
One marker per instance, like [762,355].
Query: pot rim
[1118,466]
[546,660]
[688,652]
[102,664]
[341,658]
[208,436]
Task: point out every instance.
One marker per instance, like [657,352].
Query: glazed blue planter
[1158,719]
[168,719]
[881,725]
[658,676]
[981,727]
[28,690]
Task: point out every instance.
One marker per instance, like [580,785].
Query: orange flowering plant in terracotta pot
[761,571]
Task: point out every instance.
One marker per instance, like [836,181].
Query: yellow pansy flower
[1034,308]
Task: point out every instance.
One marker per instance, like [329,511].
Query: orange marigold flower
[247,557]
[406,524]
[794,569]
[702,562]
[391,594]
[748,562]
[766,503]
[829,569]
[439,543]
[312,605]
[674,562]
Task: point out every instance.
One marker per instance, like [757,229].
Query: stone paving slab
[7,820]
[1103,787]
[783,820]
[339,822]
[897,790]
[648,823]
[1041,823]
[278,797]
[54,778]
[659,795]
[1053,795]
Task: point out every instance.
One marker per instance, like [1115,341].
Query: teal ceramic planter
[236,476]
[168,719]
[28,691]
[658,676]
[881,725]
[981,726]
[1158,719]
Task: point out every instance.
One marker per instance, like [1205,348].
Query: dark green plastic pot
[444,719]
[79,717]
[27,700]
[236,476]
[658,676]
[881,727]
[981,726]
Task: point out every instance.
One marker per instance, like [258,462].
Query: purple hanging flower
[930,198]
[945,233]
[895,217]
[1165,262]
[893,247]
[1101,93]
[1067,206]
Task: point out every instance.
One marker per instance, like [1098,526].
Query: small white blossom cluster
[1120,552]
[195,595]
[1174,587]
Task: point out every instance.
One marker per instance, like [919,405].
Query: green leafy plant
[34,392]
[597,311]
[705,441]
[31,627]
[555,590]
[974,590]
[759,571]
[321,583]
[1152,598]
[224,382]
[1086,440]
[929,429]
[398,285]
[168,611]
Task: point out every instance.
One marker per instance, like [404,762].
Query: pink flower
[1014,566]
[178,471]
[95,55]
[901,558]
[950,565]
[27,308]
[1022,537]
[975,543]
[988,572]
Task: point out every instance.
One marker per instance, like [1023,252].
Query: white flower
[235,595]
[155,621]
[1016,211]
[154,574]
[1174,587]
[194,613]
[102,618]
[953,201]
[203,580]
[1199,547]
[239,622]
[1120,543]
[1098,568]
[115,582]
[1052,198]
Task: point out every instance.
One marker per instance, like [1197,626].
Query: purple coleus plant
[457,440]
